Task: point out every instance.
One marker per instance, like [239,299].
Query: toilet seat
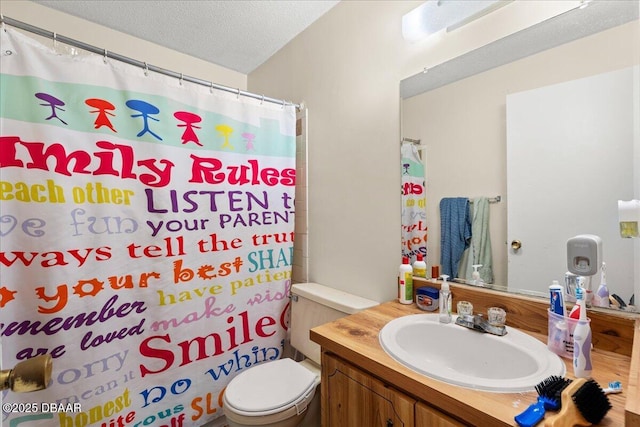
[282,388]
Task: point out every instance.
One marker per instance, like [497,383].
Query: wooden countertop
[355,339]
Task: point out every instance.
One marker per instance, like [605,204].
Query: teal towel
[479,251]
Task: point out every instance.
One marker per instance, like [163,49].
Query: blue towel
[455,232]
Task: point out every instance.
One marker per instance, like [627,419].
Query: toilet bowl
[286,393]
[274,394]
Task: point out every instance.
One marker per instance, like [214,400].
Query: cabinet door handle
[389,423]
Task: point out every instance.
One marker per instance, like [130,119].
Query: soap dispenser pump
[445,301]
[476,275]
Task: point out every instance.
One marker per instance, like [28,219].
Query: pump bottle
[445,301]
[475,276]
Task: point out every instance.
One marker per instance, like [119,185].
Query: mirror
[458,110]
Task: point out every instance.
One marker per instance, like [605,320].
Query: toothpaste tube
[556,298]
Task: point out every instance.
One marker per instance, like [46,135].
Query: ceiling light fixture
[437,15]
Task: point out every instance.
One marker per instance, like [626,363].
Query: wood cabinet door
[352,398]
[428,416]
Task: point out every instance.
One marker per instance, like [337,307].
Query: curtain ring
[2,25]
[211,87]
[283,104]
[262,100]
[181,77]
[106,56]
[55,40]
[146,69]
[238,94]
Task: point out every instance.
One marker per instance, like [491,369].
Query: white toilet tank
[312,305]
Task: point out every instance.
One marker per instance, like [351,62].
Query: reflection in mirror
[465,125]
[570,158]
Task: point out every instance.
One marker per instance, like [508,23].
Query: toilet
[285,393]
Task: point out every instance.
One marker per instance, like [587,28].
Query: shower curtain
[147,238]
[414,199]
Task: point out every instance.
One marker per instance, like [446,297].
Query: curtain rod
[84,46]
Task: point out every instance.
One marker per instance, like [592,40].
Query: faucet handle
[496,316]
[465,308]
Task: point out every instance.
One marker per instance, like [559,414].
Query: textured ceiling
[239,35]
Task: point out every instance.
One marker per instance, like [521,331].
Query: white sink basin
[447,352]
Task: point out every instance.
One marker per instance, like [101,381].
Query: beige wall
[117,42]
[346,68]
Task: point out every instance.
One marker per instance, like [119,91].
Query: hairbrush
[549,391]
[583,404]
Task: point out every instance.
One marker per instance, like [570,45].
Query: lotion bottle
[582,341]
[419,266]
[445,301]
[405,282]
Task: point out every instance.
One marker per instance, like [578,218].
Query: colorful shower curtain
[414,199]
[147,238]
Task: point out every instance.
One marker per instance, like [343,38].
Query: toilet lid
[270,387]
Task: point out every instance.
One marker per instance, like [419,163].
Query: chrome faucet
[479,323]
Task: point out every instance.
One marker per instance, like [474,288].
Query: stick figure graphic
[225,131]
[145,110]
[249,137]
[188,120]
[54,103]
[103,108]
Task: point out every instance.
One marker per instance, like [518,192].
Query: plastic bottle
[405,282]
[601,297]
[419,266]
[476,280]
[445,301]
[582,342]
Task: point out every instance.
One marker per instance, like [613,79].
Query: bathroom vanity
[362,385]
